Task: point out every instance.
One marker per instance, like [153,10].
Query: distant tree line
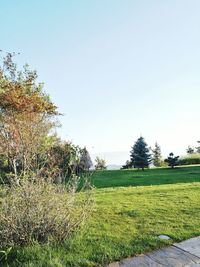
[141,156]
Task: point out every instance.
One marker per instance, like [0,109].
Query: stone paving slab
[193,265]
[184,254]
[142,261]
[173,257]
[192,246]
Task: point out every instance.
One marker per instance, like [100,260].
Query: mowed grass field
[132,209]
[154,176]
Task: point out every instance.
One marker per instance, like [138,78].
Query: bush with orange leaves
[27,119]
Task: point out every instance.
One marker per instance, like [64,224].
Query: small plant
[172,160]
[41,211]
[127,165]
[5,254]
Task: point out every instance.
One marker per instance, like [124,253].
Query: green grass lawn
[126,220]
[104,179]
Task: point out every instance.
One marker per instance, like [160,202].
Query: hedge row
[189,159]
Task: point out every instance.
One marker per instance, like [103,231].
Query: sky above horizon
[116,69]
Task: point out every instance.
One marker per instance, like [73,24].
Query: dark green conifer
[140,155]
[172,160]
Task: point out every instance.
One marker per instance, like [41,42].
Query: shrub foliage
[41,211]
[190,159]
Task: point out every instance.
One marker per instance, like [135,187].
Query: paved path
[186,253]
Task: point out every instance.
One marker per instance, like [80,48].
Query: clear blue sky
[115,68]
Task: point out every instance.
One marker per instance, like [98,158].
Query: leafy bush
[172,160]
[163,163]
[100,164]
[190,159]
[41,211]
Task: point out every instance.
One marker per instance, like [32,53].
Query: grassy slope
[126,221]
[103,179]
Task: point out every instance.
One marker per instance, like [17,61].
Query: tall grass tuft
[41,211]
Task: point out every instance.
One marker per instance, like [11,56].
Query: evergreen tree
[198,147]
[140,155]
[190,150]
[157,157]
[172,160]
[85,160]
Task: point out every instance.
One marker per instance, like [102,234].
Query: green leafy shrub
[41,211]
[190,159]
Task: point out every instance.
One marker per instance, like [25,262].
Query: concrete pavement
[186,253]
